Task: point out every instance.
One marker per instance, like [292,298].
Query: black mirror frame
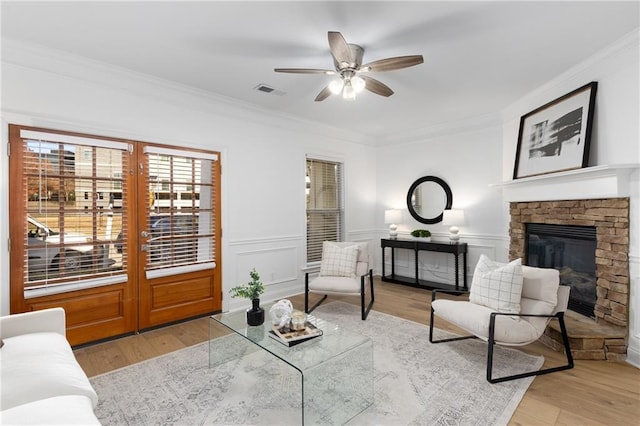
[446,189]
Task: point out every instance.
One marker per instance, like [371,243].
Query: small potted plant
[421,235]
[252,291]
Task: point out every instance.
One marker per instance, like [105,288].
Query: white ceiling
[480,57]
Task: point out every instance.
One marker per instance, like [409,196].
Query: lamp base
[453,234]
[393,232]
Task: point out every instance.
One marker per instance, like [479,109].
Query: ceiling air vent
[267,89]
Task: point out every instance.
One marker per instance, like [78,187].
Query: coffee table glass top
[334,341]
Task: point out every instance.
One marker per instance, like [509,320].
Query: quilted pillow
[338,261]
[497,285]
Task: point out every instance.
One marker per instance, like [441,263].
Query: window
[67,239]
[181,228]
[324,205]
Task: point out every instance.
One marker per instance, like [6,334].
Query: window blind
[181,220]
[75,201]
[324,205]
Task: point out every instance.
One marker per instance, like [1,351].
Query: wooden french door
[124,235]
[178,234]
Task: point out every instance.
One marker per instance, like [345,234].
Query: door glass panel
[180,225]
[72,218]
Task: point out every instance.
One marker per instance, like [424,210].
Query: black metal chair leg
[364,309]
[365,312]
[431,320]
[306,292]
[491,343]
[306,296]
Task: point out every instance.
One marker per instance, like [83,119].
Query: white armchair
[343,271]
[509,305]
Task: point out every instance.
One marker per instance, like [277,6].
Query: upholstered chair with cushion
[344,270]
[510,305]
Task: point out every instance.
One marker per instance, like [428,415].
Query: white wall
[262,156]
[471,161]
[615,139]
[263,159]
[468,162]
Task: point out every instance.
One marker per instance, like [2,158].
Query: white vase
[425,239]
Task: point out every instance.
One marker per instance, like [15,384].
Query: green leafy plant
[251,290]
[421,233]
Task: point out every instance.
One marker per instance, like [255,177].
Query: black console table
[417,246]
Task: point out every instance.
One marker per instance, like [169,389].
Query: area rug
[415,382]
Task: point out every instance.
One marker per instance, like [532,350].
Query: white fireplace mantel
[579,184]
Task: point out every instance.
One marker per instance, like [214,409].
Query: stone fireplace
[603,337]
[571,249]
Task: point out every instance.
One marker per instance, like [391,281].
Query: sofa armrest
[46,320]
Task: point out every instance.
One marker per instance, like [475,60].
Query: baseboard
[633,357]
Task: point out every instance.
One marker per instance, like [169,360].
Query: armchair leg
[431,320]
[306,296]
[316,305]
[491,343]
[306,292]
[365,312]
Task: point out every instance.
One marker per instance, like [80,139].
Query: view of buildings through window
[74,206]
[77,201]
[181,200]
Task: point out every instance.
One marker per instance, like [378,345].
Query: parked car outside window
[45,252]
[163,247]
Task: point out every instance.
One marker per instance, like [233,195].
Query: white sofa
[41,381]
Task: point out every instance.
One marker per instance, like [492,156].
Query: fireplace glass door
[571,250]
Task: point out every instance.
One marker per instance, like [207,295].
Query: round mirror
[427,198]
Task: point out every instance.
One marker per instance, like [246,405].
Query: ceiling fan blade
[376,86]
[339,49]
[390,64]
[304,71]
[324,94]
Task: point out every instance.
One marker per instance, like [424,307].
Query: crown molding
[46,60]
[624,49]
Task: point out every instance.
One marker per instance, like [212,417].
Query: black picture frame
[556,136]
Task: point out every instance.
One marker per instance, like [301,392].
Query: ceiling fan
[347,59]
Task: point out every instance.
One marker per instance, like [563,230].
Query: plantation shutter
[181,219]
[324,205]
[69,187]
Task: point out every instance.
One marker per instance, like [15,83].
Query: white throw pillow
[497,285]
[338,261]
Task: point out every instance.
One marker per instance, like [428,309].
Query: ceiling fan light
[348,93]
[358,83]
[336,86]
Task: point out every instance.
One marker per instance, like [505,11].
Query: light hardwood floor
[592,393]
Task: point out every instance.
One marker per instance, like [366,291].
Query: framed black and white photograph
[556,136]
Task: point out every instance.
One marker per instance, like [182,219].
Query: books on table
[289,337]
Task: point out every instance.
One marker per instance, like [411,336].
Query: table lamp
[392,217]
[453,218]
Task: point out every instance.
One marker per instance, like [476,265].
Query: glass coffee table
[335,370]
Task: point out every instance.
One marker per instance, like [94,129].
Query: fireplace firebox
[571,250]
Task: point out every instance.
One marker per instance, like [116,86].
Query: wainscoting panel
[274,264]
[278,261]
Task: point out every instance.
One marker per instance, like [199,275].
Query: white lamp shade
[336,86]
[358,83]
[453,217]
[392,216]
[348,93]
